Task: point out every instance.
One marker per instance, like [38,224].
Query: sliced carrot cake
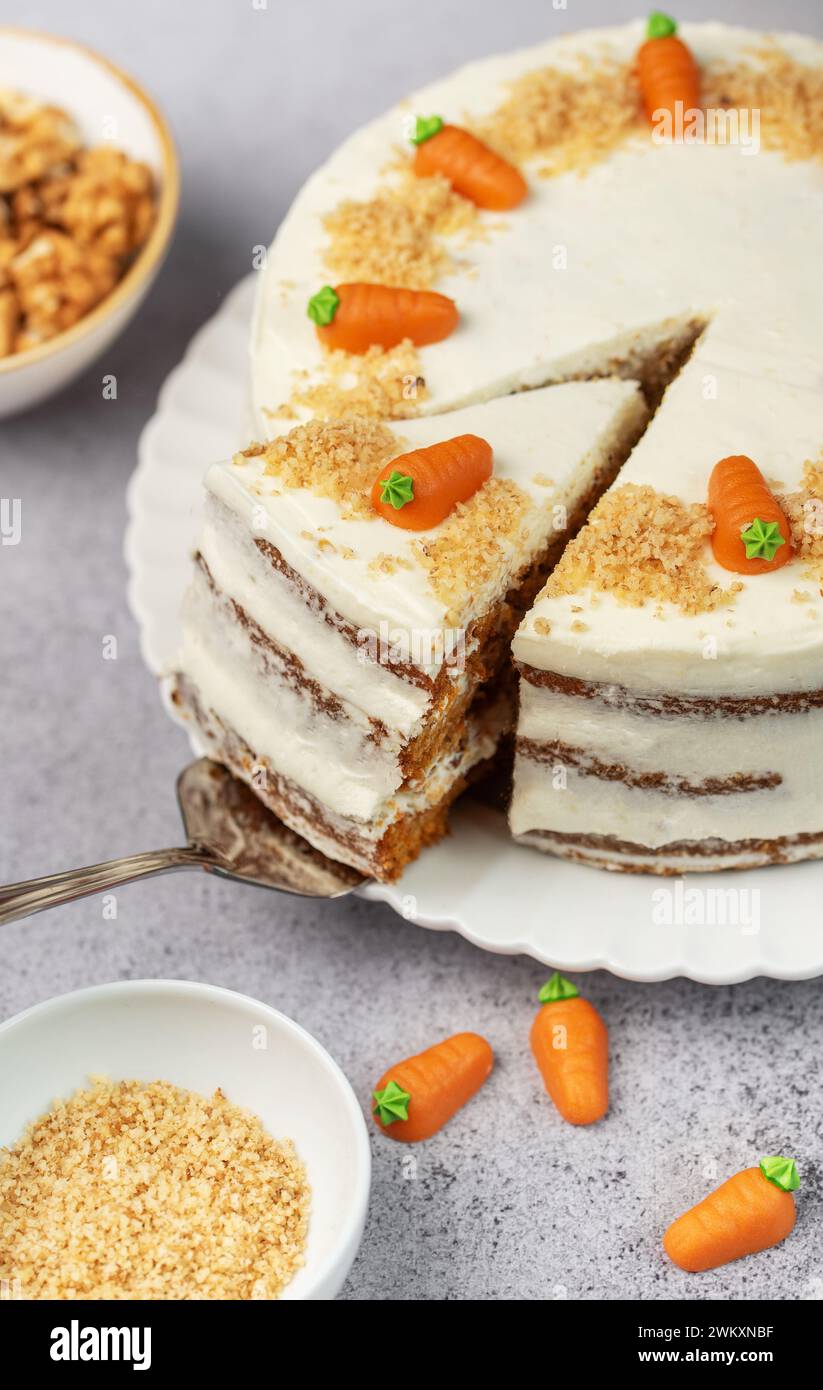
[439,333]
[349,666]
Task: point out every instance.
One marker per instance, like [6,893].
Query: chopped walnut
[70,219]
[106,203]
[34,140]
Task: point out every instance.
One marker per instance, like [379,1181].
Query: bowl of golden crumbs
[89,190]
[161,1139]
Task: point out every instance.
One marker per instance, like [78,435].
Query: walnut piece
[71,218]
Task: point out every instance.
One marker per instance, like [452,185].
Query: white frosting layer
[241,571]
[591,806]
[588,268]
[768,639]
[563,434]
[687,749]
[332,758]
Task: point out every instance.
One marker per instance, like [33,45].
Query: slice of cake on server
[347,629]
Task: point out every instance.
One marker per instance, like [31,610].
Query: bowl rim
[348,1238]
[148,259]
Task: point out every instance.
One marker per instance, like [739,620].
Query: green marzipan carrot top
[397,489]
[660,26]
[392,1103]
[424,128]
[558,987]
[781,1171]
[323,306]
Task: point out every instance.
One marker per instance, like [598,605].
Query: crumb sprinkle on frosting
[470,546]
[396,237]
[788,95]
[381,384]
[337,459]
[571,118]
[642,545]
[804,510]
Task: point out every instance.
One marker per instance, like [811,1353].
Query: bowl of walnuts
[89,190]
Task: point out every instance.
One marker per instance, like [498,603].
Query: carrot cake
[487,260]
[350,670]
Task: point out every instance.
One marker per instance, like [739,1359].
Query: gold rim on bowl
[151,253]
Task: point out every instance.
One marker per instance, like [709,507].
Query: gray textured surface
[507,1202]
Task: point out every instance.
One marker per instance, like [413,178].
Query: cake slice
[671,711]
[354,673]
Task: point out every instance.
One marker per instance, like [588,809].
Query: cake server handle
[35,894]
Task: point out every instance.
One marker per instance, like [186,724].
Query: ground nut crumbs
[573,118]
[338,459]
[395,238]
[788,95]
[388,564]
[577,117]
[640,544]
[470,548]
[804,511]
[145,1191]
[378,384]
[70,219]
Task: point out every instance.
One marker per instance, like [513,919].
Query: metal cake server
[229,832]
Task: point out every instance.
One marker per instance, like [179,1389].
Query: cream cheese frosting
[589,270]
[767,639]
[552,444]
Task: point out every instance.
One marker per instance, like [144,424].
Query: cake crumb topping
[470,545]
[395,238]
[642,545]
[380,384]
[788,95]
[134,1190]
[388,564]
[804,510]
[337,459]
[574,119]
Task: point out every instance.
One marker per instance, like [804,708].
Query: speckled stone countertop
[507,1202]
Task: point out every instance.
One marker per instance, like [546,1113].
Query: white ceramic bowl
[106,104]
[201,1037]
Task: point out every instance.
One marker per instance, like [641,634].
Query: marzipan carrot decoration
[751,533]
[749,1212]
[419,489]
[473,170]
[358,316]
[418,1096]
[570,1043]
[666,70]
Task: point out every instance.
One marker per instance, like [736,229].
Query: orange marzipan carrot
[739,498]
[419,489]
[473,170]
[366,315]
[747,1213]
[570,1043]
[417,1097]
[666,70]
